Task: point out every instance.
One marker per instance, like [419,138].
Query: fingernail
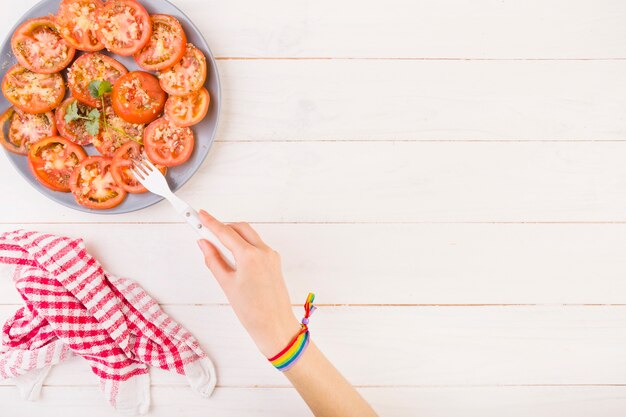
[202,211]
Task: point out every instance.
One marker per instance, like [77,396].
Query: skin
[257,292]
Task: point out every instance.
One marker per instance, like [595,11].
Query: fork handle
[193,218]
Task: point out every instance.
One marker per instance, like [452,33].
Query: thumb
[214,261]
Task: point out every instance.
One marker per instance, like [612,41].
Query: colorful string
[287,357]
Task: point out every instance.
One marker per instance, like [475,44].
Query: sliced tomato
[167,144]
[138,98]
[32,92]
[93,185]
[167,44]
[125,26]
[185,111]
[74,130]
[186,77]
[90,67]
[19,130]
[78,24]
[52,160]
[116,133]
[123,161]
[38,45]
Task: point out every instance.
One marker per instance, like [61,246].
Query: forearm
[324,389]
[256,290]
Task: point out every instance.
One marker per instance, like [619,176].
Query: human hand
[256,289]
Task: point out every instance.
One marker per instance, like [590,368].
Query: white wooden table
[448,176]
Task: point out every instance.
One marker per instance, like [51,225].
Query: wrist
[289,355]
[278,335]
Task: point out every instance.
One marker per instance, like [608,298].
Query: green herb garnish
[72,113]
[92,125]
[97,89]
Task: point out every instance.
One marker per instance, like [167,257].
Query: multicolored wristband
[287,357]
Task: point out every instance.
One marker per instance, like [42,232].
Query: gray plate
[205,131]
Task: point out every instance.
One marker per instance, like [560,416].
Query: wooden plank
[381,182]
[423,100]
[404,28]
[449,100]
[354,263]
[439,346]
[384,100]
[282,402]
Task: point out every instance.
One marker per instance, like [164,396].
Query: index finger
[231,239]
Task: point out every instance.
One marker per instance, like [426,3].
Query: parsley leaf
[94,114]
[105,88]
[92,124]
[94,86]
[71,113]
[93,127]
[98,88]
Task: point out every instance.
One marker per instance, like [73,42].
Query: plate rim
[77,207]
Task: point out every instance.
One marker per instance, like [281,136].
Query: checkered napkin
[74,307]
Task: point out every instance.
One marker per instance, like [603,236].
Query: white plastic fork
[151,178]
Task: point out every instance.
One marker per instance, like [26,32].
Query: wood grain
[355,263]
[438,346]
[403,182]
[387,100]
[423,100]
[412,161]
[484,29]
[282,402]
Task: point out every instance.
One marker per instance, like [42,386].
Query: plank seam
[300,141]
[374,386]
[260,222]
[364,58]
[391,305]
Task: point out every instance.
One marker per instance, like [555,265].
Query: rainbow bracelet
[287,357]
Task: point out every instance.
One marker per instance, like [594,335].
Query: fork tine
[144,166]
[137,173]
[141,168]
[142,163]
[148,163]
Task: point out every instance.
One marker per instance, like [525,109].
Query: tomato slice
[185,111]
[19,130]
[116,133]
[167,44]
[123,161]
[32,92]
[38,45]
[167,144]
[138,98]
[78,25]
[90,67]
[52,160]
[93,185]
[186,77]
[125,26]
[75,130]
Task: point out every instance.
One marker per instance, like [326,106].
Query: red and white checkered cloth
[74,307]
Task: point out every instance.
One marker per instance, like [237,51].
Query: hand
[256,289]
